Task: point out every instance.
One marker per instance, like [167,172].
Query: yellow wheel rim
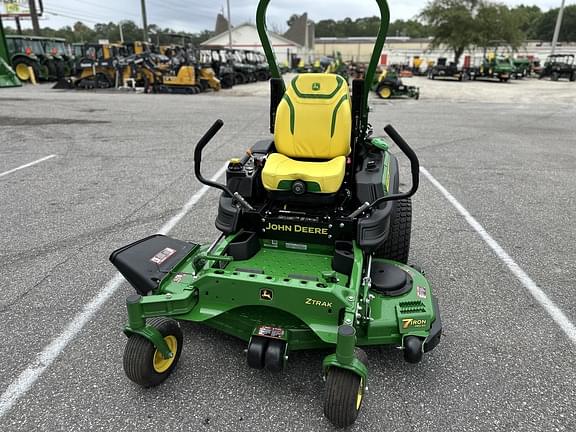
[22,72]
[360,395]
[161,364]
[385,92]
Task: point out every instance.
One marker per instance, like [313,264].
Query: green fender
[355,366]
[153,335]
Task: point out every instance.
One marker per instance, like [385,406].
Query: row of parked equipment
[492,68]
[502,68]
[166,69]
[172,68]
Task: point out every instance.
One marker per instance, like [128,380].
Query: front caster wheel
[143,363]
[256,352]
[343,397]
[413,349]
[275,355]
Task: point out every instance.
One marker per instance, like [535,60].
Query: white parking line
[549,306]
[51,352]
[27,165]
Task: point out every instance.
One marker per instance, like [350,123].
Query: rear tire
[143,364]
[384,92]
[555,76]
[22,72]
[240,79]
[397,245]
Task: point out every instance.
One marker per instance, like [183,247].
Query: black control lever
[211,133]
[414,167]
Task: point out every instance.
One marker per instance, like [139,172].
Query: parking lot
[112,167]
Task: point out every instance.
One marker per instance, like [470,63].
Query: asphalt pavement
[123,167]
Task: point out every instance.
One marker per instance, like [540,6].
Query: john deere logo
[316,86]
[265,294]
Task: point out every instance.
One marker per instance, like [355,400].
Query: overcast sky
[195,15]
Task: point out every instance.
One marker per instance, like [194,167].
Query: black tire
[413,349]
[52,69]
[343,397]
[102,81]
[397,245]
[256,352]
[555,76]
[573,77]
[142,361]
[240,79]
[227,81]
[274,357]
[261,76]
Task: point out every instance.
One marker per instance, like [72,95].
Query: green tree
[80,32]
[497,25]
[409,28]
[544,26]
[528,17]
[368,26]
[452,23]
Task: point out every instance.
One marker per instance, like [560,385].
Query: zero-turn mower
[389,86]
[313,251]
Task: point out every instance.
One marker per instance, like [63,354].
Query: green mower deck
[293,290]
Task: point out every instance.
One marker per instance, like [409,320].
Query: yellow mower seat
[311,135]
[325,177]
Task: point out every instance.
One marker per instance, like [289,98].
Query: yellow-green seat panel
[313,122]
[281,170]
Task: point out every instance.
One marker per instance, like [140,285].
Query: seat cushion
[314,119]
[320,177]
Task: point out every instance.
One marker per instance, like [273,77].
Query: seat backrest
[314,119]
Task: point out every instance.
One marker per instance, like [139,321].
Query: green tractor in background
[27,52]
[7,76]
[522,67]
[62,58]
[493,67]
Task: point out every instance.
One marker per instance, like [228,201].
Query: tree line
[530,21]
[80,32]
